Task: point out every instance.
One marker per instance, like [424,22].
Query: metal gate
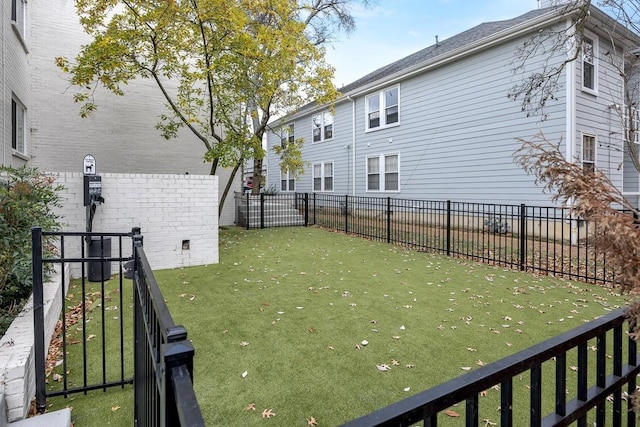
[99,316]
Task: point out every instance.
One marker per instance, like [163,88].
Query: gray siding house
[439,125]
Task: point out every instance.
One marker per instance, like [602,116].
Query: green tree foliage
[27,199]
[225,68]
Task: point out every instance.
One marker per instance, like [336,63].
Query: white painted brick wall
[17,364]
[167,208]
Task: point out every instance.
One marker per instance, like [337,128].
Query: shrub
[27,199]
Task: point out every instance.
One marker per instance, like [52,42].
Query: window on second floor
[590,63]
[588,153]
[323,176]
[383,108]
[18,14]
[287,135]
[322,124]
[383,173]
[18,126]
[287,181]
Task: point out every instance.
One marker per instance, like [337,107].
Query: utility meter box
[92,189]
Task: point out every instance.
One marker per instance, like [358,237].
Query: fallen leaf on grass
[267,413]
[408,365]
[484,393]
[244,374]
[312,421]
[394,362]
[383,367]
[465,368]
[479,362]
[115,408]
[251,407]
[311,330]
[451,413]
[244,344]
[471,349]
[574,368]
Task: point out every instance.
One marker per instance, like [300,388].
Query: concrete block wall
[17,363]
[169,209]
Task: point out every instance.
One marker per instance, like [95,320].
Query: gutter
[353,144]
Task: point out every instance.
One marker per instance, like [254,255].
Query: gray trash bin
[99,247]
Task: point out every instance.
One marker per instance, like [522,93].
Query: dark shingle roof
[452,43]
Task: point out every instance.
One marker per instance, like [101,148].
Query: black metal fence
[540,239]
[601,384]
[163,356]
[162,368]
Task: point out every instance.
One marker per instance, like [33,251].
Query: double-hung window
[323,176]
[383,173]
[590,63]
[322,125]
[588,153]
[287,136]
[383,108]
[287,181]
[18,126]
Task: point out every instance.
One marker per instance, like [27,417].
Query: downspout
[353,145]
[570,106]
[570,118]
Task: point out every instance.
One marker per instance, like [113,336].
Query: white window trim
[381,173]
[595,150]
[322,127]
[285,136]
[596,66]
[21,140]
[383,107]
[288,177]
[322,177]
[19,26]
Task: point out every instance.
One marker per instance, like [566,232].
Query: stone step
[61,418]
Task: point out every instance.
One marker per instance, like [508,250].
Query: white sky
[393,29]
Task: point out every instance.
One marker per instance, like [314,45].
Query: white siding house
[121,134]
[439,125]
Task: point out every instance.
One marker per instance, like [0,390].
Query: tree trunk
[257,176]
[228,187]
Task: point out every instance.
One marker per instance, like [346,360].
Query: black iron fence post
[346,213]
[314,208]
[261,210]
[248,210]
[306,209]
[388,219]
[176,351]
[448,227]
[38,317]
[523,236]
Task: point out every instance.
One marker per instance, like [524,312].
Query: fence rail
[548,240]
[163,356]
[613,373]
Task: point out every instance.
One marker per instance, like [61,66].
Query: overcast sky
[394,29]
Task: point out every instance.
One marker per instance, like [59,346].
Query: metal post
[261,210]
[448,227]
[38,318]
[248,211]
[314,208]
[346,214]
[523,236]
[388,219]
[306,209]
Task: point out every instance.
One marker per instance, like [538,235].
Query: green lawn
[280,322]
